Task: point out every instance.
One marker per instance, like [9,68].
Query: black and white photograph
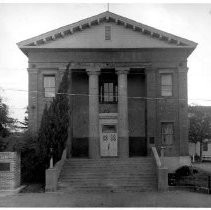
[105,104]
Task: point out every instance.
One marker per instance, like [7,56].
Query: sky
[19,21]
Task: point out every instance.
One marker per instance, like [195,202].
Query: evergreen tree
[53,132]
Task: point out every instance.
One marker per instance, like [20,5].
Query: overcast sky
[21,21]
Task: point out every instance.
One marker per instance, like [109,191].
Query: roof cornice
[105,17]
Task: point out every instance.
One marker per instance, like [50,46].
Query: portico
[122,114]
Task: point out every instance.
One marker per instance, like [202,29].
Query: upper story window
[167,133]
[108,92]
[166,85]
[49,86]
[107,32]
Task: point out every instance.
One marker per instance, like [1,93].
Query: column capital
[122,70]
[93,72]
[182,66]
[32,70]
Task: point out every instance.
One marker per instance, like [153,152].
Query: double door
[108,139]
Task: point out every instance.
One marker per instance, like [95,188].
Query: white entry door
[108,140]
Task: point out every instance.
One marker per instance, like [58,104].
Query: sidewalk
[105,199]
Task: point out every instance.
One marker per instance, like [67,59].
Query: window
[107,32]
[166,85]
[49,86]
[109,129]
[205,146]
[108,92]
[167,133]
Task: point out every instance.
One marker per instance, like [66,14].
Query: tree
[199,126]
[24,125]
[53,132]
[6,122]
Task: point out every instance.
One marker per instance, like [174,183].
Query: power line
[129,97]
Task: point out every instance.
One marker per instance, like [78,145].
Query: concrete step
[108,174]
[108,178]
[118,176]
[108,189]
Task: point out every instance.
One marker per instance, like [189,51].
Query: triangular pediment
[90,33]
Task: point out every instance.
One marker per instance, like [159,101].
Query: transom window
[167,133]
[166,85]
[49,86]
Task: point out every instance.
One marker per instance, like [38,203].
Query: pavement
[108,199]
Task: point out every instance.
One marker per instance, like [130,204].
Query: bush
[31,171]
[183,171]
[27,146]
[53,133]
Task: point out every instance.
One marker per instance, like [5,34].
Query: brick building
[129,86]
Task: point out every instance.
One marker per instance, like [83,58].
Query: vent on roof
[107,32]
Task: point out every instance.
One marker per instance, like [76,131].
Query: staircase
[133,174]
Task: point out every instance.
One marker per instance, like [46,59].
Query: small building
[129,86]
[194,148]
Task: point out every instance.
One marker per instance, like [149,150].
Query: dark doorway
[137,146]
[80,147]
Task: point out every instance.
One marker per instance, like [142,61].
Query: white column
[123,113]
[93,113]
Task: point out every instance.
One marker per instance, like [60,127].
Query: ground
[34,196]
[105,199]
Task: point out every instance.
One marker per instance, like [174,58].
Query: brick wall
[9,170]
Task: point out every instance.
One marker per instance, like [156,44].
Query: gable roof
[107,16]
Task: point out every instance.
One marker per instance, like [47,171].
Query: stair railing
[161,171]
[52,174]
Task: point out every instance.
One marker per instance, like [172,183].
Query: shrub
[183,171]
[26,145]
[30,168]
[53,133]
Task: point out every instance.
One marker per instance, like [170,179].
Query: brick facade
[10,177]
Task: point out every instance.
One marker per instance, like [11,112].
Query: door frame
[108,119]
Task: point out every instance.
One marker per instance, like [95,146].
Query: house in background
[129,88]
[194,149]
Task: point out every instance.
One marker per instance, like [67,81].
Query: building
[129,86]
[201,112]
